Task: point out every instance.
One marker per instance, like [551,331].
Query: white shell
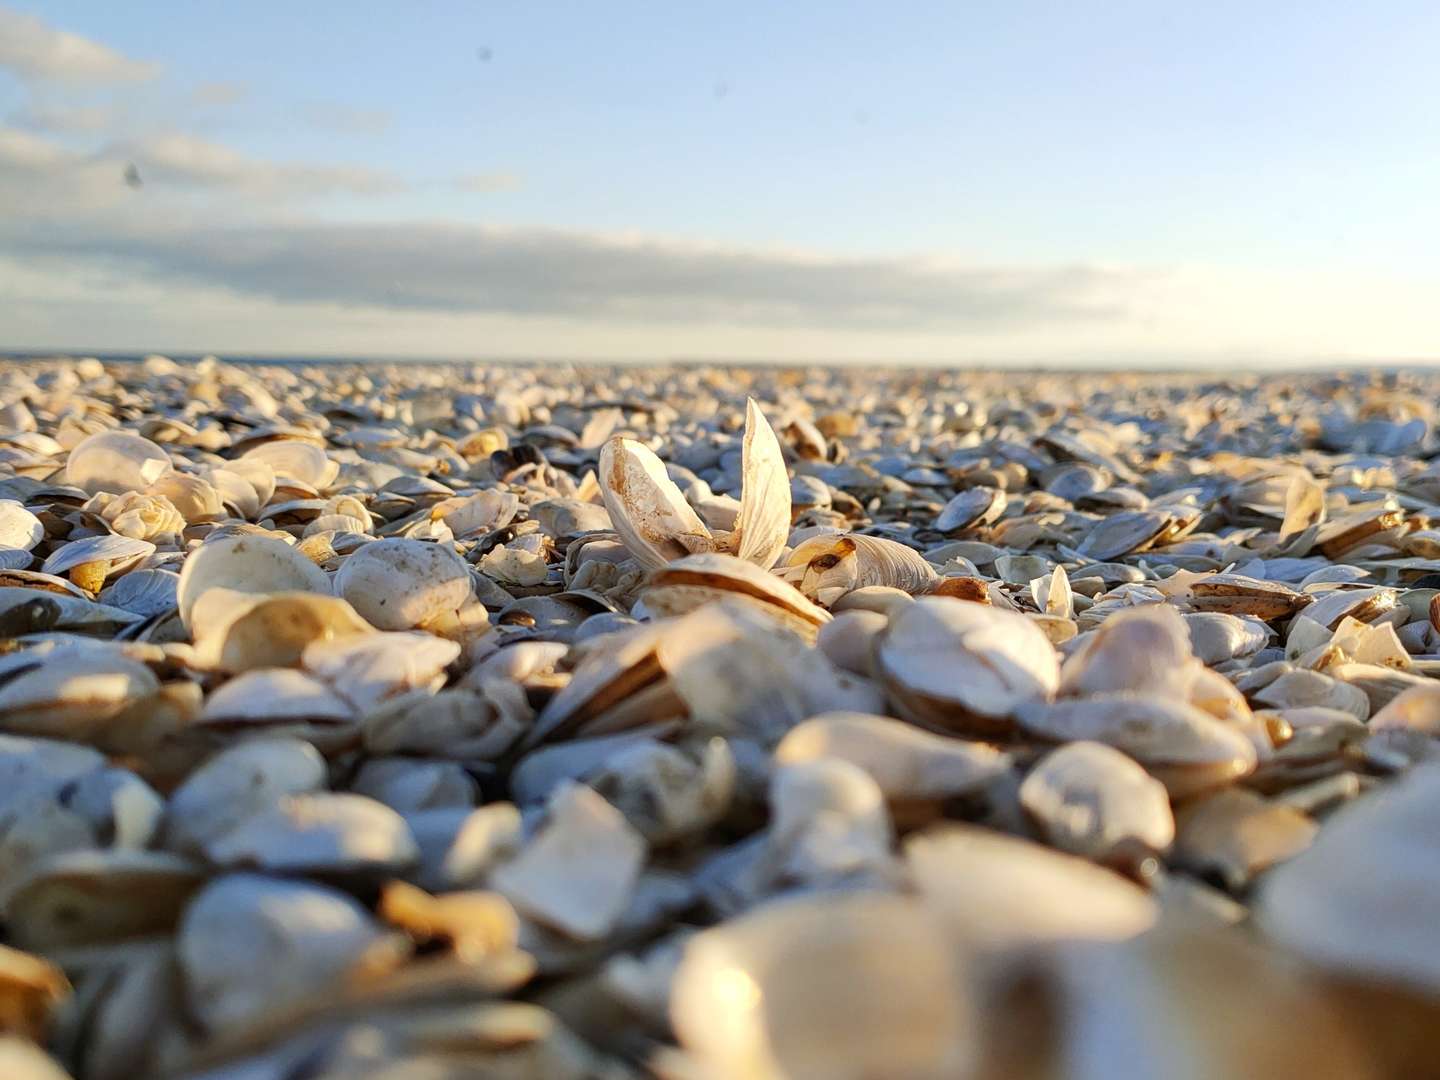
[400,584]
[117,462]
[249,944]
[145,592]
[764,520]
[19,528]
[1091,800]
[110,548]
[249,564]
[295,460]
[271,695]
[646,508]
[317,833]
[578,872]
[368,668]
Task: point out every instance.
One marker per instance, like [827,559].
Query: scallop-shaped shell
[117,462]
[19,528]
[955,664]
[115,552]
[193,497]
[685,584]
[250,564]
[145,592]
[825,568]
[295,460]
[398,584]
[139,515]
[1090,799]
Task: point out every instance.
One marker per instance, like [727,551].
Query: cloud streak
[552,273]
[36,51]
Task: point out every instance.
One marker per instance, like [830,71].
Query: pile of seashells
[716,724]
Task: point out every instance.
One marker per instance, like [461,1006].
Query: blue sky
[1126,182]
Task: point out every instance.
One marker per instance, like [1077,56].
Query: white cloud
[188,161]
[33,50]
[68,119]
[487,182]
[347,119]
[220,93]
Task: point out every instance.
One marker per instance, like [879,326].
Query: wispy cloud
[47,179]
[34,50]
[555,273]
[347,119]
[486,182]
[67,119]
[220,93]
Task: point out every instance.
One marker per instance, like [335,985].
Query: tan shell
[825,568]
[1089,799]
[236,632]
[685,584]
[248,564]
[400,584]
[959,665]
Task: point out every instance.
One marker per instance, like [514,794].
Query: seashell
[265,699]
[31,611]
[971,508]
[884,599]
[578,871]
[249,945]
[1123,533]
[70,694]
[1235,594]
[247,564]
[665,793]
[318,833]
[143,592]
[401,584]
[1343,534]
[756,996]
[684,584]
[909,765]
[98,897]
[1335,903]
[996,893]
[236,632]
[1091,800]
[1186,749]
[116,462]
[235,784]
[648,511]
[90,561]
[849,639]
[1217,637]
[1304,689]
[826,568]
[828,823]
[30,990]
[19,529]
[962,666]
[1235,834]
[294,460]
[1145,649]
[764,520]
[409,786]
[366,669]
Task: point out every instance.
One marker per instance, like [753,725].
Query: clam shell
[764,520]
[966,666]
[1089,799]
[653,519]
[19,528]
[400,584]
[248,564]
[685,584]
[117,462]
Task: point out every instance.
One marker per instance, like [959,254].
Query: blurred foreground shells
[716,724]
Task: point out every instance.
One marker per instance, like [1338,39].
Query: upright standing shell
[764,521]
[648,511]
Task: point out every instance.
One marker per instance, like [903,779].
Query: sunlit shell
[117,462]
[764,520]
[965,666]
[1089,799]
[19,529]
[248,564]
[295,460]
[685,584]
[90,561]
[237,632]
[826,568]
[401,584]
[647,509]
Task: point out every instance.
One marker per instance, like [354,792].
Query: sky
[1022,182]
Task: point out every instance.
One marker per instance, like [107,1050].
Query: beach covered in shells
[707,723]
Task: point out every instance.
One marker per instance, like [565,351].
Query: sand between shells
[456,721]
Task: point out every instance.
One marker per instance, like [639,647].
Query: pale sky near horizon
[1127,182]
